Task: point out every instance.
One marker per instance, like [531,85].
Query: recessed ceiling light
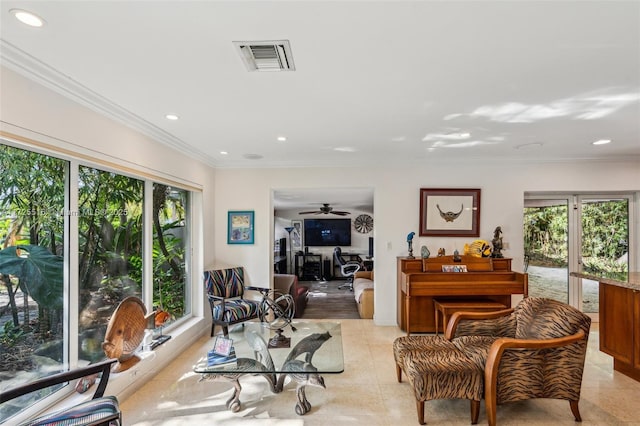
[602,142]
[172,117]
[27,18]
[224,152]
[282,139]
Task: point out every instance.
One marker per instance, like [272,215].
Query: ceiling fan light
[326,209]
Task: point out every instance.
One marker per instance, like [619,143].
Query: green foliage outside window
[110,217]
[605,235]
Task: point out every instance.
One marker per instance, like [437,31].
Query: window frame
[193,246]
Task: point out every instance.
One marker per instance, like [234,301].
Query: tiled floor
[367,393]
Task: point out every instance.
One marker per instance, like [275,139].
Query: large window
[33,329]
[110,251]
[42,209]
[169,244]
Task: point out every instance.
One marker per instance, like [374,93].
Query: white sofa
[363,292]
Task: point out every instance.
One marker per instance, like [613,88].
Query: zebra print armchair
[536,350]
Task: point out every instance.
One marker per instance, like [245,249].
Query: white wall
[396,207]
[32,111]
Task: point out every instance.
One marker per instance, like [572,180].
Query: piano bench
[449,306]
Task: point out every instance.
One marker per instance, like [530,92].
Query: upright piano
[421,280]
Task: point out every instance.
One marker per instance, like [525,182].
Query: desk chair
[347,268]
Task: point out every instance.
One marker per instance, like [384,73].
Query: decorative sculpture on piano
[410,243]
[497,243]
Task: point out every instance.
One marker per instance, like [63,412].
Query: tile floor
[367,393]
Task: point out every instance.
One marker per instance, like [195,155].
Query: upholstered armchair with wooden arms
[226,293]
[536,350]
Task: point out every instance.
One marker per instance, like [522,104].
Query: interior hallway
[367,393]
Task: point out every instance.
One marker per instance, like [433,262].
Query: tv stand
[308,267]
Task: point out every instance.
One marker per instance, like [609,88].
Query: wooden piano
[422,280]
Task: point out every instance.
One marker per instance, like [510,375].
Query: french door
[575,232]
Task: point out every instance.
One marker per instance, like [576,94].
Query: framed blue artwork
[240,227]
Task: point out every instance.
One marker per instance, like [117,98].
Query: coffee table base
[303,406]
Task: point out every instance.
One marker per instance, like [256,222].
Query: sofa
[363,293]
[288,284]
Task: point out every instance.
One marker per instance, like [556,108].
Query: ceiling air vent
[266,55]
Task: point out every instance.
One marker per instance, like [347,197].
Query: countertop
[621,279]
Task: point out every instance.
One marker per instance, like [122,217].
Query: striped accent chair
[536,351]
[100,410]
[225,289]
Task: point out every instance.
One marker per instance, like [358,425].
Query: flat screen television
[327,232]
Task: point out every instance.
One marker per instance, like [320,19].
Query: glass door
[603,243]
[564,233]
[546,248]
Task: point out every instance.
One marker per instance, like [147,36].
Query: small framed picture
[296,235]
[449,212]
[240,227]
[222,346]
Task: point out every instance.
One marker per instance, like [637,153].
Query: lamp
[289,229]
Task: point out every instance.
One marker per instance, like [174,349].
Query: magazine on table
[222,354]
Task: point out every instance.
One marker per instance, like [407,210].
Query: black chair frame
[103,367]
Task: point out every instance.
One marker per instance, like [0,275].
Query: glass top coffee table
[315,349]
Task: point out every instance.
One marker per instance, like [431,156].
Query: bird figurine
[303,372]
[410,243]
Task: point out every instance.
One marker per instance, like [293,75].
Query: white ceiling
[357,199]
[376,82]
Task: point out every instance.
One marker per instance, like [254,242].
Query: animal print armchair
[226,293]
[536,350]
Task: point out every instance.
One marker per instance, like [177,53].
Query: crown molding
[47,76]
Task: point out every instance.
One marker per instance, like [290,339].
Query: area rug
[327,301]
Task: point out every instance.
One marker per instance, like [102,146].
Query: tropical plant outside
[110,217]
[605,235]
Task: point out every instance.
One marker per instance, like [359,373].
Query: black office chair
[347,268]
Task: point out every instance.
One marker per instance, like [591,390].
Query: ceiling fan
[326,209]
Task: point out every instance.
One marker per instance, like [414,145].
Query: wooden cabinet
[620,327]
[419,282]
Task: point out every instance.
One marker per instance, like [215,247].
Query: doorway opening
[308,225]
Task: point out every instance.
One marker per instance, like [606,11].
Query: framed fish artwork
[449,212]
